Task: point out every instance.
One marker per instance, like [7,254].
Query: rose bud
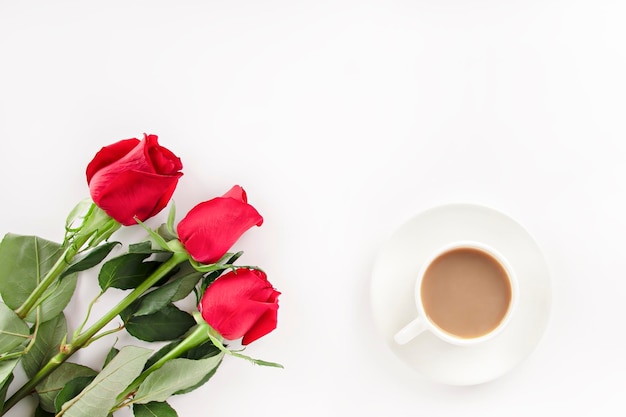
[133,178]
[241,303]
[209,229]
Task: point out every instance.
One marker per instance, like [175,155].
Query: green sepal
[78,215]
[154,235]
[164,232]
[216,338]
[171,218]
[229,259]
[87,222]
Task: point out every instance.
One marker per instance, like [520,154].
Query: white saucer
[393,302]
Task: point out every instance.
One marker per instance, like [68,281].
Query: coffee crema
[466,292]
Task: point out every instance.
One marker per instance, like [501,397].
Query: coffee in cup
[465,293]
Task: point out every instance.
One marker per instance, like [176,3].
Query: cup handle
[410,331]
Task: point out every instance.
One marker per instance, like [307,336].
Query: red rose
[241,303]
[209,229]
[133,178]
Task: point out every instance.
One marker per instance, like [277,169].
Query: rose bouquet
[129,182]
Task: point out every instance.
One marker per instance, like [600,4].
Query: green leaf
[13,330]
[157,299]
[144,247]
[154,409]
[54,383]
[24,261]
[55,299]
[188,278]
[201,382]
[160,353]
[112,353]
[205,350]
[126,271]
[97,399]
[141,247]
[6,376]
[180,285]
[40,412]
[92,258]
[71,390]
[166,324]
[174,376]
[49,337]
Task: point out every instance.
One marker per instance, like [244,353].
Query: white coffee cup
[474,289]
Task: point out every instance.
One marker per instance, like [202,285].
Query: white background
[342,119]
